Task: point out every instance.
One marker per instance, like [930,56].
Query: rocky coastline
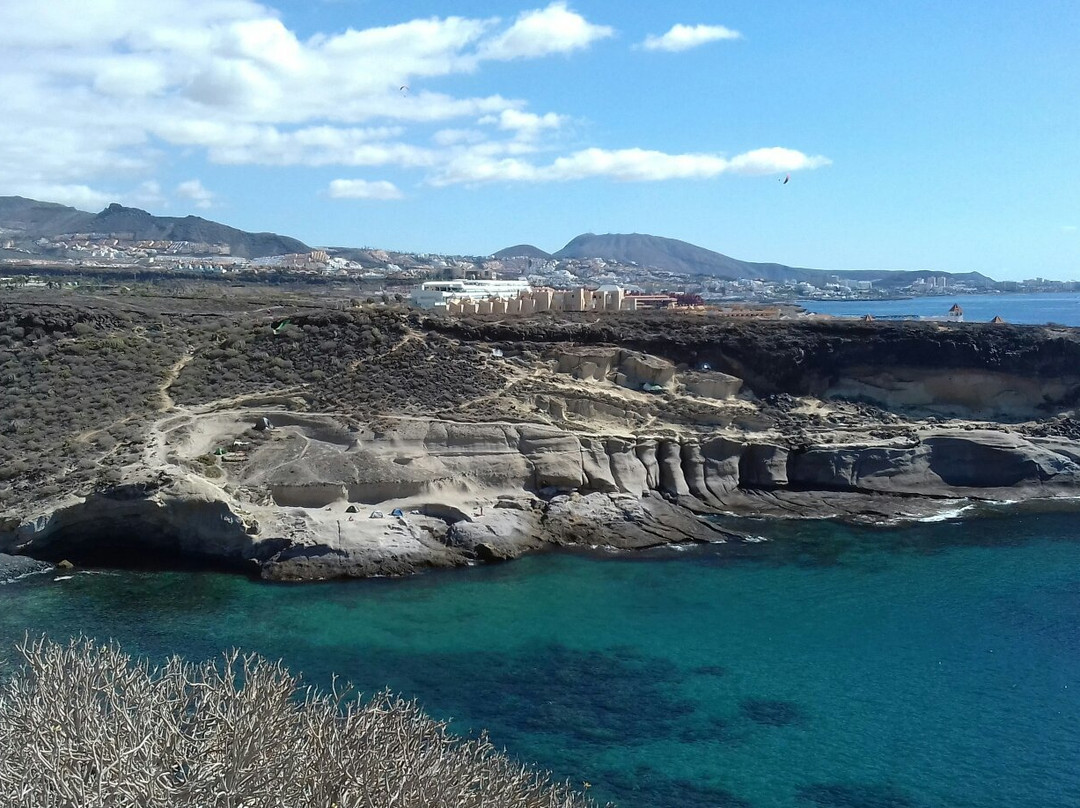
[608,433]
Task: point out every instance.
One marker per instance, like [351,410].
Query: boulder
[711,384]
[589,363]
[637,370]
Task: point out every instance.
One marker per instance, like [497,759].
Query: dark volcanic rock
[966,369]
[12,567]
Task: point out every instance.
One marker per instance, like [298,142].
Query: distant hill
[672,255]
[31,219]
[35,219]
[679,256]
[523,251]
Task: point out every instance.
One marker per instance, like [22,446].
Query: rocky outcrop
[625,522]
[418,494]
[638,370]
[961,370]
[14,567]
[711,384]
[944,464]
[618,432]
[630,369]
[507,532]
[589,364]
[157,517]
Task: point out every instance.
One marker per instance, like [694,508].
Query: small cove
[935,664]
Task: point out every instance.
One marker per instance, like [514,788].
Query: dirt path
[165,402]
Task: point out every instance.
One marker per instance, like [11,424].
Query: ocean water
[1036,309]
[936,664]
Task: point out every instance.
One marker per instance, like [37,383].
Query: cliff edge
[303,443]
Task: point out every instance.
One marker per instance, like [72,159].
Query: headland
[303,437]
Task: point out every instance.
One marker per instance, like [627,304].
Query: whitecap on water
[19,577]
[945,516]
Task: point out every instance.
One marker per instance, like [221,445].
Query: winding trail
[166,402]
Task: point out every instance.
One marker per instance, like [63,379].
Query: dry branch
[83,725]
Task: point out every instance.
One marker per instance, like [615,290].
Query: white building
[435,294]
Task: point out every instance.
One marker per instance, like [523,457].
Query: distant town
[401,272]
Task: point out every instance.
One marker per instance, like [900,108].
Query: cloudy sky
[918,134]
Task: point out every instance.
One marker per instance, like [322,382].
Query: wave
[946,515]
[28,574]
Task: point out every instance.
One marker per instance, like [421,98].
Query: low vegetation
[85,374]
[362,362]
[78,383]
[82,724]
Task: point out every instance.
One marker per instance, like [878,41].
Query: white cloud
[627,165]
[147,195]
[555,29]
[526,124]
[194,191]
[82,197]
[683,37]
[454,137]
[775,159]
[364,189]
[100,93]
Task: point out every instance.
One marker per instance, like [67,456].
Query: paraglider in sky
[404,89]
[785,180]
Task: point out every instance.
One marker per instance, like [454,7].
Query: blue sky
[917,134]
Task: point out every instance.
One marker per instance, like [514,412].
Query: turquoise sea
[1035,309]
[936,664]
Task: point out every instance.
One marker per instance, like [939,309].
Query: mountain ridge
[28,220]
[32,219]
[673,255]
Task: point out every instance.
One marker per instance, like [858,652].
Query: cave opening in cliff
[133,547]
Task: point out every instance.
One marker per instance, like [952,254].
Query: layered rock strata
[431,493]
[478,441]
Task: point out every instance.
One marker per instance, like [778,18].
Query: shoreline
[729,528]
[304,443]
[505,529]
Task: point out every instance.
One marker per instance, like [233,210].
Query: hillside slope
[680,256]
[31,219]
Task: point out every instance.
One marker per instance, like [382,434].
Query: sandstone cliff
[483,440]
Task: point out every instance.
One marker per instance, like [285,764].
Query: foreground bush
[82,725]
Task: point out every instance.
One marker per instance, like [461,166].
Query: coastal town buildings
[440,294]
[398,272]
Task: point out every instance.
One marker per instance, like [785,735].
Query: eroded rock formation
[616,433]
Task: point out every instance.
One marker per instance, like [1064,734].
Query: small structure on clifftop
[998,320]
[956,314]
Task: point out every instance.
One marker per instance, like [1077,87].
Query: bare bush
[84,725]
